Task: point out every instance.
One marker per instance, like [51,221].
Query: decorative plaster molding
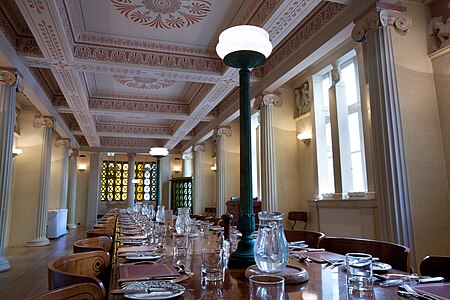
[39,121]
[200,147]
[226,131]
[59,101]
[187,156]
[144,83]
[62,143]
[74,152]
[28,46]
[134,129]
[384,17]
[131,156]
[268,99]
[106,104]
[10,76]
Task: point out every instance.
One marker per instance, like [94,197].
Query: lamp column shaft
[158,180]
[8,88]
[244,256]
[131,163]
[72,199]
[40,238]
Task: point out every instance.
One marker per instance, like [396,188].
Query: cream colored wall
[288,182]
[55,175]
[231,145]
[208,178]
[82,190]
[26,181]
[426,169]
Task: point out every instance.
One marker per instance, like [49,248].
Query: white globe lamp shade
[159,151]
[244,38]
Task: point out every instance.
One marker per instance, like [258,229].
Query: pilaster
[72,197]
[187,164]
[131,164]
[64,144]
[219,134]
[198,151]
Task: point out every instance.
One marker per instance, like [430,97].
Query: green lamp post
[158,153]
[244,47]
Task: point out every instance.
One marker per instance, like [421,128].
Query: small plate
[132,242]
[173,290]
[216,228]
[380,266]
[144,256]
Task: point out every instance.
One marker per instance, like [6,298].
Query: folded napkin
[323,256]
[145,248]
[146,270]
[437,290]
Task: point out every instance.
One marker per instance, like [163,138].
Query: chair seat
[103,243]
[436,266]
[85,291]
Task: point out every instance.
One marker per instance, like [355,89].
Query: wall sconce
[213,168]
[177,169]
[82,167]
[16,151]
[305,137]
[214,165]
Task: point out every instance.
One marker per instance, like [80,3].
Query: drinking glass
[212,268]
[160,235]
[204,229]
[160,217]
[180,242]
[266,287]
[359,275]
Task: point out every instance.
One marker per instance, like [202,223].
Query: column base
[243,257]
[4,265]
[72,226]
[38,242]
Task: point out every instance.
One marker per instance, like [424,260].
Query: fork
[332,263]
[416,294]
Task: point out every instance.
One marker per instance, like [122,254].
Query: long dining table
[323,283]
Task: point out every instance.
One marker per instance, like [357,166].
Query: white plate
[132,242]
[155,285]
[380,266]
[144,256]
[216,228]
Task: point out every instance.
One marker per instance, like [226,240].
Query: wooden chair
[298,216]
[101,226]
[99,232]
[436,266]
[394,254]
[81,291]
[102,243]
[311,238]
[87,267]
[210,211]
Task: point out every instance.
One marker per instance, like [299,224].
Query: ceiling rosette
[143,83]
[164,13]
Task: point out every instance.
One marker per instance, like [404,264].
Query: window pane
[326,83]
[357,173]
[354,133]
[348,76]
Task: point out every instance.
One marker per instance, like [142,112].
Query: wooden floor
[28,274]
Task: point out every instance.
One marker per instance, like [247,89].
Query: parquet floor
[28,274]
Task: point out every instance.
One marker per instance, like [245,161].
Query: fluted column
[219,135]
[64,143]
[10,83]
[40,238]
[131,163]
[392,192]
[198,150]
[187,164]
[72,197]
[268,174]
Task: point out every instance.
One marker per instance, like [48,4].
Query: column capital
[11,76]
[187,155]
[268,99]
[380,17]
[48,122]
[131,155]
[220,131]
[200,147]
[74,152]
[61,142]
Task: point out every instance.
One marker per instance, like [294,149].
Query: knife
[160,291]
[147,278]
[430,279]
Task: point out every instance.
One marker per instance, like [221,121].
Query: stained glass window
[114,181]
[146,188]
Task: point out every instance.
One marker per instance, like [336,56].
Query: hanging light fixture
[244,47]
[158,153]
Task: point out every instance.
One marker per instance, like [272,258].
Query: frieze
[28,46]
[138,106]
[49,36]
[127,143]
[38,5]
[149,98]
[149,59]
[134,129]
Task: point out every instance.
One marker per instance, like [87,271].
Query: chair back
[103,225]
[99,232]
[394,254]
[78,268]
[311,238]
[436,266]
[102,243]
[85,291]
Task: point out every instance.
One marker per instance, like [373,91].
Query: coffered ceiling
[134,74]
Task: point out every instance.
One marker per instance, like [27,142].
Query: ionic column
[131,163]
[72,197]
[64,143]
[374,31]
[198,150]
[187,164]
[265,103]
[219,135]
[40,238]
[95,171]
[10,83]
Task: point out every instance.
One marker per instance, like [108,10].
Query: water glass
[212,268]
[160,235]
[204,229]
[180,243]
[266,287]
[359,275]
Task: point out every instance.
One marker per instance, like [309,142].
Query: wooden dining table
[324,282]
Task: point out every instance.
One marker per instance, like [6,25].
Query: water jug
[183,222]
[271,248]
